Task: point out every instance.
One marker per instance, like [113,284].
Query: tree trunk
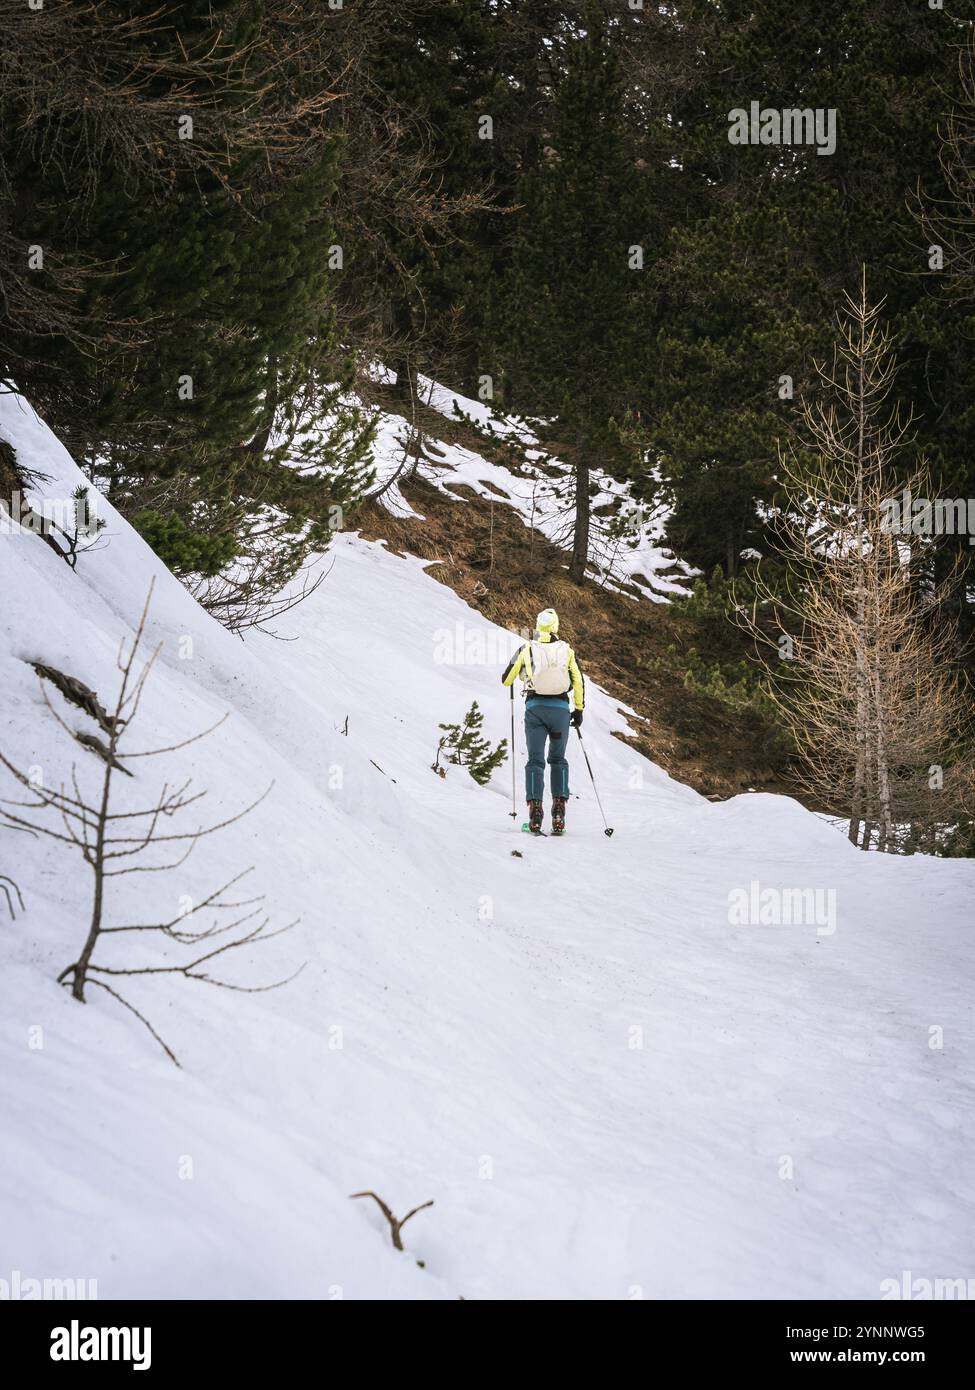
[580,537]
[731,554]
[860,718]
[885,837]
[869,795]
[97,862]
[405,387]
[258,444]
[861,713]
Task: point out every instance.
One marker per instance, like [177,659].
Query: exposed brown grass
[499,566]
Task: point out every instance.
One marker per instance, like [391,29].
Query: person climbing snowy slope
[548,666]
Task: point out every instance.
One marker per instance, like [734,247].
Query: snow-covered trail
[607,1086]
[675,1062]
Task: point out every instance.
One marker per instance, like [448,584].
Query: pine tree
[772,233]
[191,197]
[465,746]
[566,325]
[942,326]
[422,185]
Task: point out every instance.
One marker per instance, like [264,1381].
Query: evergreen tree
[942,327]
[566,323]
[773,232]
[197,203]
[465,746]
[415,174]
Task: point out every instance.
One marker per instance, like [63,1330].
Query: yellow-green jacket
[520,665]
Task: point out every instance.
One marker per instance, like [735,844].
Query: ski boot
[535,814]
[558,815]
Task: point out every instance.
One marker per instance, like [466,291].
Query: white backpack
[550,667]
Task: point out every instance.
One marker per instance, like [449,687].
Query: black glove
[577,719]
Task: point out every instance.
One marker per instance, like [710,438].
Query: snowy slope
[626,543]
[608,1084]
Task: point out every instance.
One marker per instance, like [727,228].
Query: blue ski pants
[546,723]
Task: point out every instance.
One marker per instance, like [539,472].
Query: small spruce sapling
[463,745]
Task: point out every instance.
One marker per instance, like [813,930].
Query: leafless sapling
[116,842]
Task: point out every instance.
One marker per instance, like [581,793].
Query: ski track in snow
[489,1005]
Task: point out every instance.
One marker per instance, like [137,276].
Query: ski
[527,830]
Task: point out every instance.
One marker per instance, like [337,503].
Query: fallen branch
[10,891]
[395,1225]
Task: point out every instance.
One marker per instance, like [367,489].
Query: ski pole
[513,812]
[607,829]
